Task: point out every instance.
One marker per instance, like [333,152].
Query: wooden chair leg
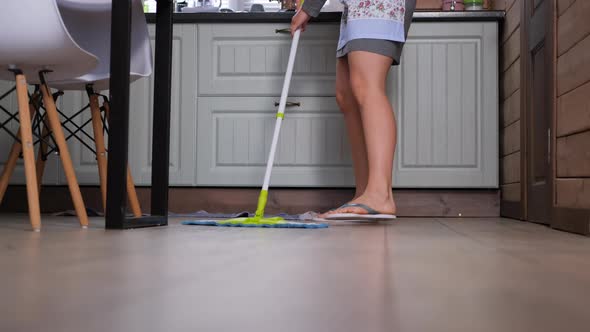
[101,152]
[9,167]
[132,195]
[131,191]
[13,156]
[64,153]
[28,151]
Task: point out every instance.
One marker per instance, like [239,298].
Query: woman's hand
[299,21]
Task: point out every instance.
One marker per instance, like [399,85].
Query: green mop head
[258,220]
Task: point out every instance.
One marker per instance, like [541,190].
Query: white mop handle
[281,110]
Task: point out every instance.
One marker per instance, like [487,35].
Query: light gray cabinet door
[183,118]
[9,104]
[445,94]
[250,60]
[234,137]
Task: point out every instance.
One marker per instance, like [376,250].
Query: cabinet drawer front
[251,59]
[234,137]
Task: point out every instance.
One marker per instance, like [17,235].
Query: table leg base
[141,222]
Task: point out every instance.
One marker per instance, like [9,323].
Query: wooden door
[539,84]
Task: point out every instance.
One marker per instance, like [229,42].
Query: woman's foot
[356,196]
[383,204]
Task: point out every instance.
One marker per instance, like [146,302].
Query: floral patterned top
[372,19]
[378,9]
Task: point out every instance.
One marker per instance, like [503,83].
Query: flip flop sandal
[371,215]
[318,219]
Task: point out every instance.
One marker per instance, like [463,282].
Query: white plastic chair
[90,22]
[33,39]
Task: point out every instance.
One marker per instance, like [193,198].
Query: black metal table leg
[161,123]
[119,132]
[119,95]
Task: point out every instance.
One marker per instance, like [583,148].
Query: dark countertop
[285,17]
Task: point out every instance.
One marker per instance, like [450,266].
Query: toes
[353,210]
[342,210]
[323,215]
[345,210]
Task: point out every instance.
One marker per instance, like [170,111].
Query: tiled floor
[414,275]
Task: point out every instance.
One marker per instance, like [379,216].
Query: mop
[259,220]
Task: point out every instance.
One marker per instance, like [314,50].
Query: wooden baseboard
[411,203]
[511,210]
[571,220]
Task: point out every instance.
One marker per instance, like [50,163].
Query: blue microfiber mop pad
[281,224]
[207,215]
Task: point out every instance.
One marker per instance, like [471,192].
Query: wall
[572,184]
[510,103]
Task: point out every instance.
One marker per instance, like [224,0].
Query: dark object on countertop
[256,7]
[180,5]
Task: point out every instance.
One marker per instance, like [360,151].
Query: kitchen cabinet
[445,94]
[227,77]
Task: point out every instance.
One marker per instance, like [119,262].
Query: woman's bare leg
[368,74]
[352,118]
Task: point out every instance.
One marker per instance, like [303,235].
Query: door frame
[518,210]
[526,86]
[567,219]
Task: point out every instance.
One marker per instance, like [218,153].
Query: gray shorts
[380,46]
[384,47]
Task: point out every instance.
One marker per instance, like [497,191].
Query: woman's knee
[345,99]
[368,74]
